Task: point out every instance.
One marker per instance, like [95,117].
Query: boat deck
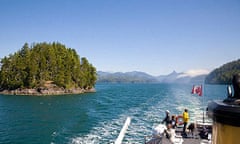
[188,141]
[191,138]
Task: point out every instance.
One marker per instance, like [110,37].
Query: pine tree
[32,67]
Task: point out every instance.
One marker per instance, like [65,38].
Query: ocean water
[96,118]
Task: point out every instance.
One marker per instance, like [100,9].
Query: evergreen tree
[223,74]
[33,67]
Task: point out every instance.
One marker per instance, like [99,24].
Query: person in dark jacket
[173,122]
[167,119]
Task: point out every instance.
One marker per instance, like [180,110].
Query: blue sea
[96,118]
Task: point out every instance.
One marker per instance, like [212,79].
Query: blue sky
[154,36]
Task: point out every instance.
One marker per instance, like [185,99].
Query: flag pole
[199,89]
[203,93]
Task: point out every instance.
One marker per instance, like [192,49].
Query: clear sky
[153,36]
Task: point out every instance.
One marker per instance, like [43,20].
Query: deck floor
[189,139]
[196,140]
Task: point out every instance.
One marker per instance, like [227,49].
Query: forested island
[46,69]
[224,74]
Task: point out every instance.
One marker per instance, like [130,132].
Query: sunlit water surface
[98,117]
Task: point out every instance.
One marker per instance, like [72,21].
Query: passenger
[185,121]
[236,86]
[173,122]
[191,128]
[170,133]
[167,119]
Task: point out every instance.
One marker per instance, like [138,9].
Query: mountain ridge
[224,73]
[143,77]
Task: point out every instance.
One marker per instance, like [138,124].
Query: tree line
[31,67]
[224,74]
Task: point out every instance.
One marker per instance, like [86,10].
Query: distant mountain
[182,77]
[224,74]
[170,78]
[141,77]
[128,77]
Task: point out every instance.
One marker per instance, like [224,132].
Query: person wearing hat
[167,119]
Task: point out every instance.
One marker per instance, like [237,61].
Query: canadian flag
[197,89]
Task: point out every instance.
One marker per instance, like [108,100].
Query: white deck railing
[124,129]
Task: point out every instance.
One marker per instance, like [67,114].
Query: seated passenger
[173,122]
[171,135]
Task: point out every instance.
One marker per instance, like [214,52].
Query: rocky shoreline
[47,91]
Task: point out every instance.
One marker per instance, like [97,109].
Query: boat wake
[144,117]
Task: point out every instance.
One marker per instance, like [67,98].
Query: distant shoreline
[47,91]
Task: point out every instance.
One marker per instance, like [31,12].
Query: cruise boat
[226,115]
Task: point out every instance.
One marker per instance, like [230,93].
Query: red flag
[197,90]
